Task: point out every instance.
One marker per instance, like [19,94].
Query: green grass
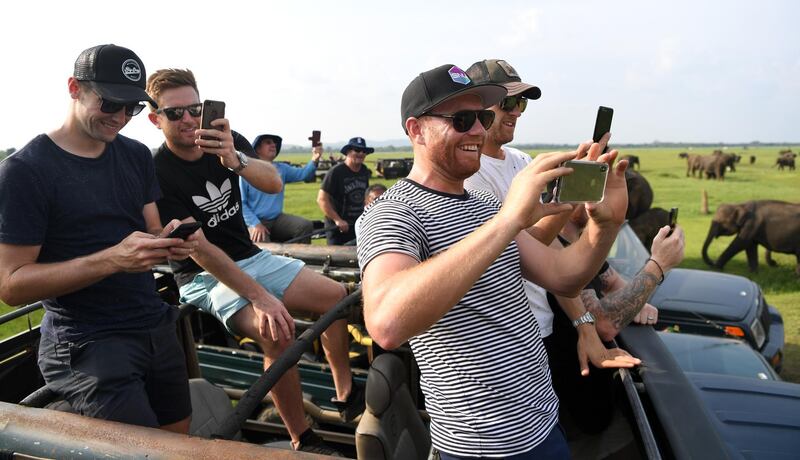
[666,174]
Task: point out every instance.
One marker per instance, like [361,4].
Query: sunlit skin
[501,132]
[180,134]
[101,128]
[450,156]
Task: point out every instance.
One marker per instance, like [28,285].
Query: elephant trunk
[713,232]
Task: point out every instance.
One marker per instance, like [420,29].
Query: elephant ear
[746,221]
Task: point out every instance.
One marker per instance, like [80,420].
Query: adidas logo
[216,203]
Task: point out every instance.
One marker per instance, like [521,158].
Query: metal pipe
[253,397]
[22,311]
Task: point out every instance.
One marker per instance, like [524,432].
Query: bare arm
[590,348]
[24,280]
[260,174]
[548,227]
[624,301]
[326,206]
[275,322]
[403,297]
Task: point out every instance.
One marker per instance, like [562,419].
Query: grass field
[666,174]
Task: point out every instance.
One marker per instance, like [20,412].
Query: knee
[271,348]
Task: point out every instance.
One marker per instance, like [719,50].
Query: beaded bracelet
[659,268]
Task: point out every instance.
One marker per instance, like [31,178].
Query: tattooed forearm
[606,278]
[623,304]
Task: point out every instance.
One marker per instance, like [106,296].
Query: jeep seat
[391,427]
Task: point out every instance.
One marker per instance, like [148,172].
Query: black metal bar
[309,235]
[647,437]
[253,397]
[22,311]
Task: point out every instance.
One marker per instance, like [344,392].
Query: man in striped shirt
[442,268]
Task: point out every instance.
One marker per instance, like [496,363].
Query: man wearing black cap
[263,212]
[341,196]
[83,239]
[442,266]
[249,290]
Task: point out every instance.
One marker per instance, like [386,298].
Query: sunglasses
[131,108]
[509,102]
[176,113]
[463,120]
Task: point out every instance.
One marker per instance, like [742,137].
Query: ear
[740,216]
[153,117]
[415,131]
[73,87]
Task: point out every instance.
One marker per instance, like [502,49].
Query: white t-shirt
[495,177]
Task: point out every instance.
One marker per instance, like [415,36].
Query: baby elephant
[769,223]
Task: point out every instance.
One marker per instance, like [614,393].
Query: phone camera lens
[603,168]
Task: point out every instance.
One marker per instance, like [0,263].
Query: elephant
[711,165]
[640,194]
[769,223]
[730,159]
[691,162]
[785,162]
[646,225]
[633,162]
[752,159]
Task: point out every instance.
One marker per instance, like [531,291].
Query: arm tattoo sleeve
[623,304]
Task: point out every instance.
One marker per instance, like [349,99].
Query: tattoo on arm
[622,305]
[605,279]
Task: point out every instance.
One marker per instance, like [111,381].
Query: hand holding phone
[315,138]
[586,184]
[673,220]
[183,231]
[212,110]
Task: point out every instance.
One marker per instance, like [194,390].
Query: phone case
[586,184]
[212,110]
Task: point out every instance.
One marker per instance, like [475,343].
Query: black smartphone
[212,110]
[673,220]
[183,231]
[602,124]
[315,137]
[586,184]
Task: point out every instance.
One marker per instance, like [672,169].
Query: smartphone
[673,220]
[212,110]
[315,137]
[183,231]
[586,184]
[602,124]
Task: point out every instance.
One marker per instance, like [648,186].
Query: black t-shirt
[208,192]
[347,189]
[73,206]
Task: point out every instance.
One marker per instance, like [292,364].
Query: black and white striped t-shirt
[484,368]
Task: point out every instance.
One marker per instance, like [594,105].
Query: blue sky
[692,71]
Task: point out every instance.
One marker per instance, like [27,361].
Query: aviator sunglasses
[509,102]
[464,119]
[131,108]
[176,113]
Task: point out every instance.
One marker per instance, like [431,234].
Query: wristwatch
[242,162]
[587,317]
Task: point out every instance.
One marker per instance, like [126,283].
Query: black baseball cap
[275,138]
[500,72]
[116,73]
[441,84]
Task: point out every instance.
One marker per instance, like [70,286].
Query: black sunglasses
[131,108]
[176,113]
[464,119]
[509,102]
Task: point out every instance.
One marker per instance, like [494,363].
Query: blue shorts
[274,273]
